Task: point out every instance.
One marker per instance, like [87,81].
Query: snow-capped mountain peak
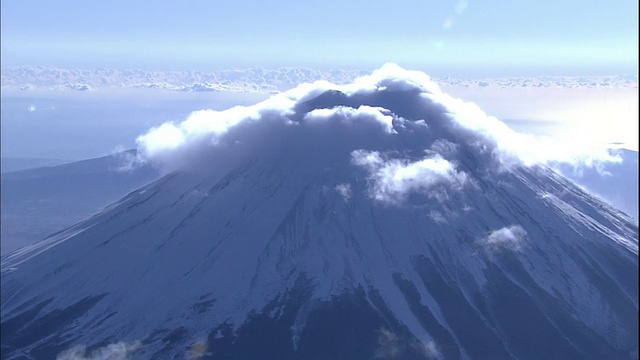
[378,219]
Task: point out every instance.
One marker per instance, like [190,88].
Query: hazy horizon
[457,38]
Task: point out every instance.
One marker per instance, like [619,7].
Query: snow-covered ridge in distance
[258,79]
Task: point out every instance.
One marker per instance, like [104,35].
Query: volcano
[379,219]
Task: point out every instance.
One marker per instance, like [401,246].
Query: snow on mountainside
[380,219]
[259,79]
[615,182]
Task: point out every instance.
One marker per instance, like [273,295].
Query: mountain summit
[379,219]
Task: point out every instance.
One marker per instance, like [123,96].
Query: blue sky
[489,37]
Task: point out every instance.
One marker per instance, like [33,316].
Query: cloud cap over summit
[392,109]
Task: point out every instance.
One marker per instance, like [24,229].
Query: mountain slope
[38,202]
[10,164]
[616,183]
[354,224]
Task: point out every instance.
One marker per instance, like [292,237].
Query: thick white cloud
[513,148]
[407,133]
[393,179]
[393,78]
[509,238]
[348,115]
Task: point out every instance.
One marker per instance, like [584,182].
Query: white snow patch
[174,145]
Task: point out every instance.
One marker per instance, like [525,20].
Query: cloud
[437,217]
[395,124]
[388,345]
[514,148]
[349,115]
[344,190]
[392,346]
[509,238]
[392,179]
[116,351]
[125,160]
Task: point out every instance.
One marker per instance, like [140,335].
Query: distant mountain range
[257,79]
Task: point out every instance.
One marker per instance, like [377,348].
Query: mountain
[617,183]
[10,164]
[38,202]
[380,219]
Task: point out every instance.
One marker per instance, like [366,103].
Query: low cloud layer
[395,124]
